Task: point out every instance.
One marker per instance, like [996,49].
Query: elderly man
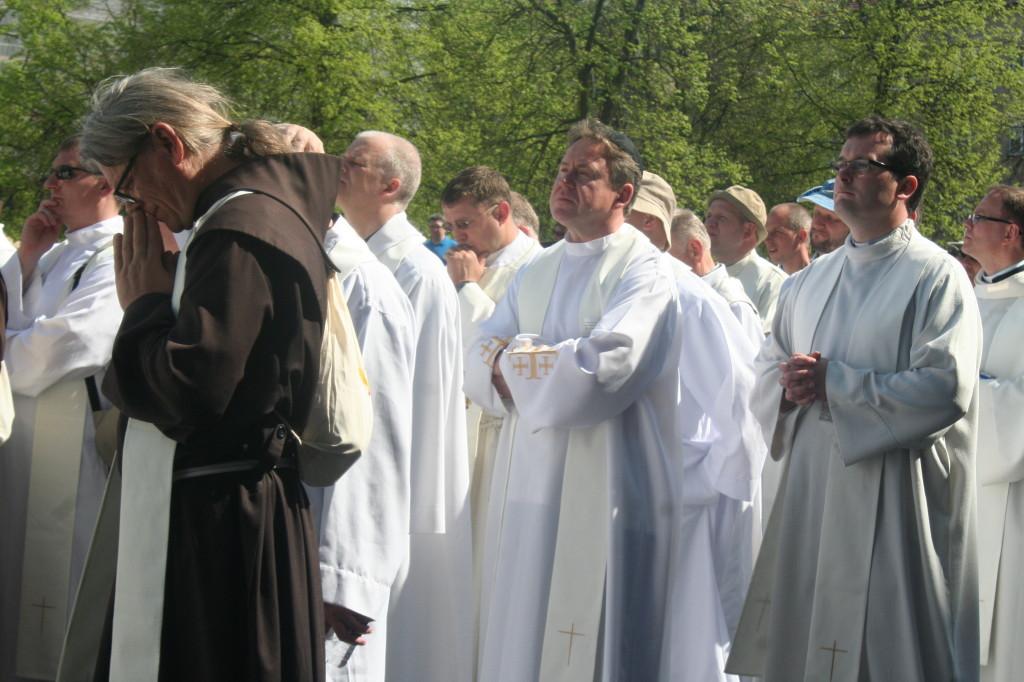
[363,519]
[994,235]
[692,245]
[380,177]
[735,221]
[477,203]
[582,355]
[828,231]
[787,239]
[868,385]
[439,243]
[63,314]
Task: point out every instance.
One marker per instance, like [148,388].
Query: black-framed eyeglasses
[858,166]
[66,172]
[121,195]
[976,218]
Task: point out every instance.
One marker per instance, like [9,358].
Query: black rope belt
[232,467]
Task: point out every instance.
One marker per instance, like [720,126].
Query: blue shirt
[441,248]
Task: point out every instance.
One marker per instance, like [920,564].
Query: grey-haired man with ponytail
[216,364]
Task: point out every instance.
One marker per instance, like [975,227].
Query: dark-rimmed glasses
[857,166]
[121,195]
[66,172]
[976,218]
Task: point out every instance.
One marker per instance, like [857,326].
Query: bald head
[395,158]
[379,177]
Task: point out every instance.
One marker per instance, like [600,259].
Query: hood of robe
[290,189]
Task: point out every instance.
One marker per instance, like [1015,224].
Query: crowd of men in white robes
[644,452]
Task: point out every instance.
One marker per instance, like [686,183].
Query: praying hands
[803,380]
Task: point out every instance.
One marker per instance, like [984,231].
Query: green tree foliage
[713,91]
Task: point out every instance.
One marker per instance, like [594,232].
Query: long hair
[124,109]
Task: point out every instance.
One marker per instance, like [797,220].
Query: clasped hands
[803,380]
[464,264]
[145,258]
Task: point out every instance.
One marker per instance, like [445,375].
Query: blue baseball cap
[822,195]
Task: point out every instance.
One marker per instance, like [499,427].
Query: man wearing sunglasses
[994,235]
[63,314]
[868,391]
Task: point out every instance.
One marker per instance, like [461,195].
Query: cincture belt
[273,458]
[231,467]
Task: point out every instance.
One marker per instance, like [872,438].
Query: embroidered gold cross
[534,365]
[490,349]
[42,606]
[572,635]
[835,650]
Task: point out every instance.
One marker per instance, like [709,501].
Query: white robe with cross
[430,622]
[1001,479]
[54,335]
[868,568]
[363,519]
[617,370]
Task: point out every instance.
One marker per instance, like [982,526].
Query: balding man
[787,240]
[692,246]
[380,177]
[828,231]
[735,222]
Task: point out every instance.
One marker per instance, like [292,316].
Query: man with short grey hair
[525,217]
[735,222]
[787,239]
[692,246]
[380,176]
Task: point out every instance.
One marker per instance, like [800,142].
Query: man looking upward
[588,378]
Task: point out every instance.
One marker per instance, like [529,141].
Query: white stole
[142,491]
[576,597]
[58,432]
[1003,357]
